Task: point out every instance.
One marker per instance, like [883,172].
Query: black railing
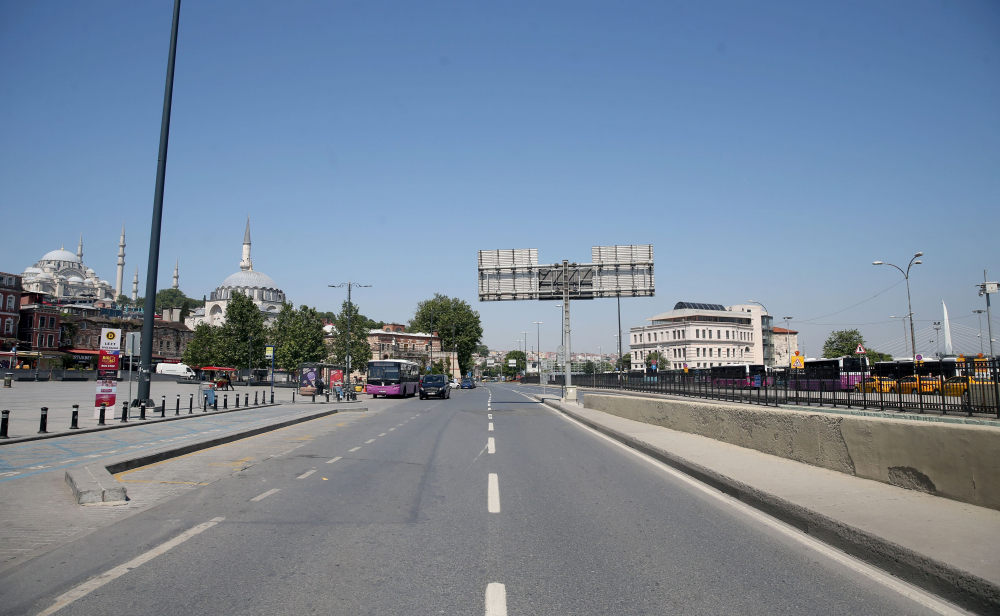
[971,390]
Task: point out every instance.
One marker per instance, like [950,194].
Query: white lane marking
[915,594]
[371,440]
[496,599]
[489,415]
[400,425]
[306,474]
[353,450]
[391,429]
[493,494]
[491,446]
[93,584]
[383,434]
[333,460]
[261,497]
[490,427]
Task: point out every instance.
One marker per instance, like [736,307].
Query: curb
[95,484]
[960,587]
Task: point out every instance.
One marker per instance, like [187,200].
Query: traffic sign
[860,350]
[919,358]
[268,352]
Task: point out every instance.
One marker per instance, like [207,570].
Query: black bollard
[191,404]
[293,396]
[104,410]
[124,412]
[43,421]
[177,411]
[255,398]
[163,406]
[74,422]
[215,403]
[237,401]
[225,401]
[314,397]
[4,420]
[246,399]
[142,411]
[204,406]
[272,397]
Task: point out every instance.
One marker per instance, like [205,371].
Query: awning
[83,352]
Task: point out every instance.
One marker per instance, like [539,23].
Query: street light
[980,313]
[909,302]
[904,332]
[788,347]
[538,340]
[349,285]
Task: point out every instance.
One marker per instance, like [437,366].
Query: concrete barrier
[956,461]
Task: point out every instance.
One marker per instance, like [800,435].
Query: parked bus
[741,376]
[392,377]
[831,374]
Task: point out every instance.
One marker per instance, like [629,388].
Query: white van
[180,370]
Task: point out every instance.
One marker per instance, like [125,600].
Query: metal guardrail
[977,396]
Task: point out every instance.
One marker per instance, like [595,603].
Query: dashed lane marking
[493,494]
[490,427]
[491,446]
[261,497]
[306,474]
[93,584]
[333,460]
[383,434]
[496,599]
[353,450]
[371,440]
[391,429]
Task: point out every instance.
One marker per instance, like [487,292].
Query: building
[10,309]
[786,342]
[170,338]
[394,342]
[702,336]
[62,274]
[38,329]
[258,286]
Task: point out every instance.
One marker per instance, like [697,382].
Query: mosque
[63,275]
[258,286]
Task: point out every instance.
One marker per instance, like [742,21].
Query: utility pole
[909,302]
[988,288]
[349,285]
[146,354]
[980,314]
[788,348]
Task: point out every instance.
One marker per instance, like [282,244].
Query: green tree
[458,324]
[361,352]
[123,300]
[589,367]
[297,336]
[844,342]
[242,336]
[175,298]
[203,348]
[624,363]
[656,358]
[519,357]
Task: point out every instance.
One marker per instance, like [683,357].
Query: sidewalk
[944,546]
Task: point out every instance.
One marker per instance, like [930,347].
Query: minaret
[79,249]
[176,276]
[246,263]
[135,285]
[119,286]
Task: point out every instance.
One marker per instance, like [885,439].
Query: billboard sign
[111,339]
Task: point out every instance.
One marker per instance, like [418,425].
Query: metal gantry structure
[614,271]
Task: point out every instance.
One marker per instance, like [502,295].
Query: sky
[767,150]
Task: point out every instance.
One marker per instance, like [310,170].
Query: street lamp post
[980,314]
[788,348]
[987,288]
[903,321]
[349,285]
[909,302]
[525,334]
[538,349]
[937,344]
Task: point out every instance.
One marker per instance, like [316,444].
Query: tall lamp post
[538,349]
[349,285]
[525,334]
[909,303]
[903,321]
[980,313]
[987,288]
[788,348]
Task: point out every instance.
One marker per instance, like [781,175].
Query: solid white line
[95,583]
[333,460]
[261,497]
[353,450]
[493,494]
[911,592]
[371,440]
[496,599]
[490,427]
[491,447]
[306,474]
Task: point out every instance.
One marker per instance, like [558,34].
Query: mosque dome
[61,255]
[74,279]
[44,275]
[32,271]
[249,278]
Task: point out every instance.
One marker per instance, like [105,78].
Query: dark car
[434,386]
[468,384]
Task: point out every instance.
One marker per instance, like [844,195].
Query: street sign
[133,342]
[111,339]
[919,358]
[860,350]
[992,287]
[798,362]
[512,363]
[268,352]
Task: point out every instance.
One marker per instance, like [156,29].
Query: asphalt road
[413,511]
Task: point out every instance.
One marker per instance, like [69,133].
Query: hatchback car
[468,384]
[434,386]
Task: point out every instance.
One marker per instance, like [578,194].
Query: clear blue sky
[768,150]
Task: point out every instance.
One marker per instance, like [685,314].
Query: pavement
[490,502]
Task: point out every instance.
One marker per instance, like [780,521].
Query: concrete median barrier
[956,461]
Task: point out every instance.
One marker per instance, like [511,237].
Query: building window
[697,333]
[52,322]
[8,326]
[50,340]
[10,302]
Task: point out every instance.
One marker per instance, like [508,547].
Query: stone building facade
[786,342]
[170,338]
[10,309]
[394,342]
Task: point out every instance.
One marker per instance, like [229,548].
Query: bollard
[314,397]
[104,410]
[272,397]
[215,404]
[8,379]
[4,420]
[237,401]
[225,401]
[255,398]
[75,419]
[191,404]
[246,399]
[124,412]
[177,411]
[327,396]
[142,411]
[43,421]
[293,396]
[163,406]
[204,407]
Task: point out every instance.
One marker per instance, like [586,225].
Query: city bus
[392,377]
[837,374]
[741,376]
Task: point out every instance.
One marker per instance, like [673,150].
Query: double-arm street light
[905,348]
[906,276]
[349,285]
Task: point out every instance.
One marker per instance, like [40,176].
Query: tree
[242,336]
[361,352]
[844,342]
[175,298]
[297,336]
[655,358]
[624,363]
[203,349]
[589,367]
[519,359]
[458,324]
[482,350]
